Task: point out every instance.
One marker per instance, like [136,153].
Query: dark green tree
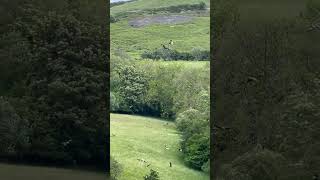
[58,82]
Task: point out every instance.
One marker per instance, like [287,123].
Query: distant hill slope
[151,4]
[186,36]
[136,138]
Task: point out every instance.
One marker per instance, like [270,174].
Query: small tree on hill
[154,175]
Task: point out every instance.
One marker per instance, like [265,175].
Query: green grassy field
[20,172]
[186,36]
[185,64]
[151,4]
[139,137]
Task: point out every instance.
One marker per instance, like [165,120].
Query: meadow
[139,137]
[18,172]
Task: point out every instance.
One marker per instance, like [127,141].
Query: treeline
[119,3]
[157,88]
[173,55]
[170,9]
[266,96]
[53,77]
[179,8]
[171,90]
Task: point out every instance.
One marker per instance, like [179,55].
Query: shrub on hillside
[154,175]
[183,7]
[200,54]
[195,137]
[114,102]
[174,55]
[202,6]
[113,19]
[115,169]
[112,4]
[197,149]
[186,119]
[206,167]
[133,88]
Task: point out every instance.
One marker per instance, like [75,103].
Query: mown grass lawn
[139,137]
[22,172]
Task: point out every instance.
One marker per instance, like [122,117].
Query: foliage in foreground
[257,164]
[53,107]
[266,94]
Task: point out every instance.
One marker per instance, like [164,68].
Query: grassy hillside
[138,137]
[18,172]
[151,4]
[190,65]
[186,36]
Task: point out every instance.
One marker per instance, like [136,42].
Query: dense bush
[133,88]
[206,167]
[174,55]
[115,169]
[256,164]
[183,7]
[117,3]
[194,126]
[114,102]
[113,19]
[154,175]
